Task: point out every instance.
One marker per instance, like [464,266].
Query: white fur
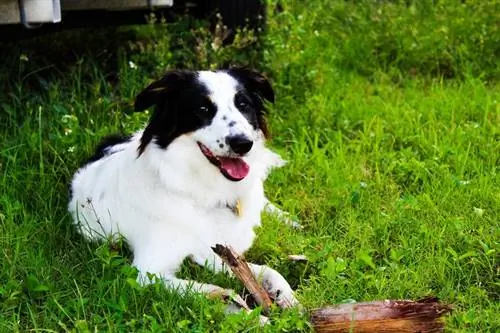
[171,203]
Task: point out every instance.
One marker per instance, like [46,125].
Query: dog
[191,179]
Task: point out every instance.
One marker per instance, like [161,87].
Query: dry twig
[242,271]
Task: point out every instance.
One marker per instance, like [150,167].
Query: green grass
[389,116]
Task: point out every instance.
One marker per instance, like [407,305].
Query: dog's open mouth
[233,168]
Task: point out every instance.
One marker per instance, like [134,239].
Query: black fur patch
[102,149]
[181,104]
[249,107]
[258,88]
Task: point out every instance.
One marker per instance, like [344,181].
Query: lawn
[389,116]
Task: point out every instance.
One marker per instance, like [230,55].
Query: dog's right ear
[254,81]
[156,91]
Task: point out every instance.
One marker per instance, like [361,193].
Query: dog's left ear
[254,81]
[162,95]
[153,94]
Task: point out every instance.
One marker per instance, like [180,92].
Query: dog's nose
[240,144]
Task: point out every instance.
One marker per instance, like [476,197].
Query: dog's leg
[276,285]
[210,290]
[184,286]
[150,260]
[283,216]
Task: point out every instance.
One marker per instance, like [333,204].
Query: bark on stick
[387,316]
[242,271]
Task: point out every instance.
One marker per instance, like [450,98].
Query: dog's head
[223,112]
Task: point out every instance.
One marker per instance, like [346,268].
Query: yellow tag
[238,209]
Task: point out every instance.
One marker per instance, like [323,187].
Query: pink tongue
[235,167]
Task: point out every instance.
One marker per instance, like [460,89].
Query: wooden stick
[388,316]
[242,271]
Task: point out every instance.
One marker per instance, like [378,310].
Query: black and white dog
[192,178]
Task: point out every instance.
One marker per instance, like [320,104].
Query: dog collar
[236,208]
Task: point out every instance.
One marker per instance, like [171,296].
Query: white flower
[132,65]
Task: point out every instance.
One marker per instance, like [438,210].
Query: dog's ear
[253,81]
[154,93]
[162,95]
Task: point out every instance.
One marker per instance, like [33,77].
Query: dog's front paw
[280,291]
[286,299]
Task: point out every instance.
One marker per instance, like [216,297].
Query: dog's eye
[204,109]
[242,104]
[241,101]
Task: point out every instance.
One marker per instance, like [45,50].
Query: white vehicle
[20,18]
